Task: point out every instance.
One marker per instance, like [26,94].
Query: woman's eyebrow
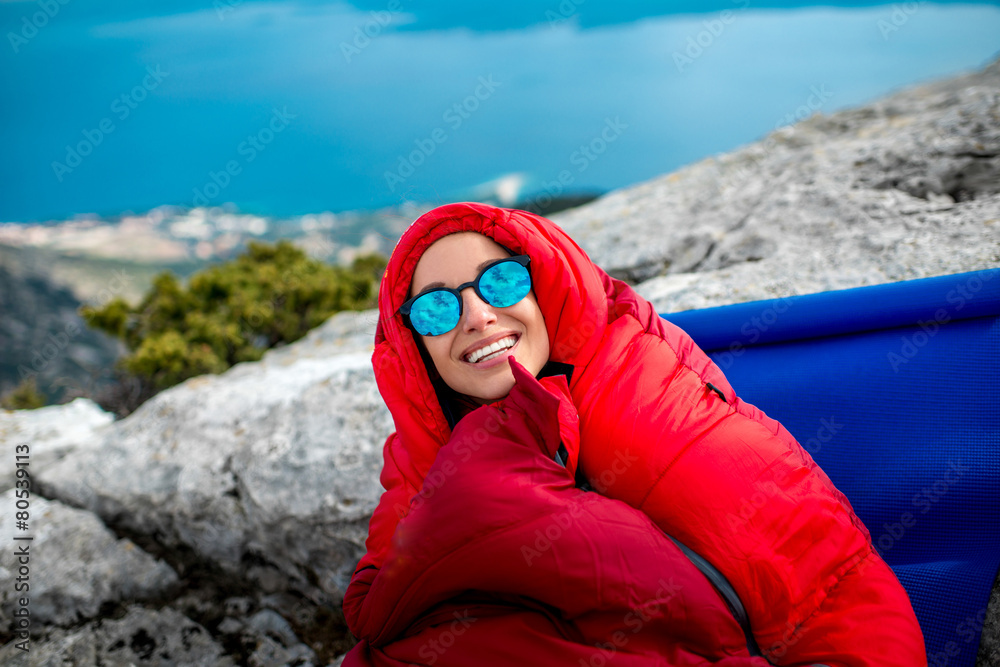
[438,283]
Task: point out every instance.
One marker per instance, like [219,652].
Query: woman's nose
[477,313]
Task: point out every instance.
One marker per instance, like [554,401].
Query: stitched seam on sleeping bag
[829,591]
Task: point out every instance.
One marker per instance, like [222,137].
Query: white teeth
[491,356]
[491,351]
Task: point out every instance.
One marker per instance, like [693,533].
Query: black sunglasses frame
[404,310]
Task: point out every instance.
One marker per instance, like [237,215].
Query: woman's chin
[495,388]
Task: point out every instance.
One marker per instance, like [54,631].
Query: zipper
[716,578]
[725,589]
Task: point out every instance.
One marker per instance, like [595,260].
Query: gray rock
[270,653]
[163,638]
[989,647]
[273,640]
[49,433]
[905,188]
[267,639]
[269,622]
[344,332]
[268,471]
[75,566]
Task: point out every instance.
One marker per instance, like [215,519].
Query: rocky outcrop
[49,434]
[254,487]
[103,571]
[265,471]
[904,188]
[163,638]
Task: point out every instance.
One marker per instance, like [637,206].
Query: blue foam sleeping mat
[895,391]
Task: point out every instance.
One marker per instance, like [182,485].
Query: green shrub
[25,396]
[232,312]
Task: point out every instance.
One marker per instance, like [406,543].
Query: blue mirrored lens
[505,284]
[435,313]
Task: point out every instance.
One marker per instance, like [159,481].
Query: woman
[518,373]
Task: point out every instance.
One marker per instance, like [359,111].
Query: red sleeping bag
[502,560]
[651,422]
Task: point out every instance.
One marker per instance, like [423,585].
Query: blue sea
[291,107]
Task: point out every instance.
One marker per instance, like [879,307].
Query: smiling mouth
[491,351]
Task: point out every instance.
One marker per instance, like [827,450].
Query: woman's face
[456,259]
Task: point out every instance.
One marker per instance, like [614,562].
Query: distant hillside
[90,278]
[48,270]
[42,335]
[184,239]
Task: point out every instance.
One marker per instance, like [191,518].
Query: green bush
[25,396]
[232,312]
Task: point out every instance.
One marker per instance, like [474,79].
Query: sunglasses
[437,311]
